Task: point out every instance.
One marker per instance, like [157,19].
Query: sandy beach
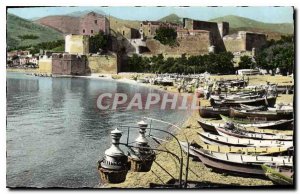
[166,167]
[197,171]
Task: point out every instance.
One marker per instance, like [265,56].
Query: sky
[263,14]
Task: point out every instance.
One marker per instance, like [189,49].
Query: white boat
[234,141]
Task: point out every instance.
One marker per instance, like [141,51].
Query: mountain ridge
[18,27]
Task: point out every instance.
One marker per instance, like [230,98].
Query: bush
[246,63]
[166,36]
[212,63]
[98,42]
[278,54]
[28,36]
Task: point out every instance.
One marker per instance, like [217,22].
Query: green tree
[98,42]
[246,63]
[166,36]
[279,55]
[155,62]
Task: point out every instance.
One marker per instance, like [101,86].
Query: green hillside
[172,18]
[21,32]
[248,24]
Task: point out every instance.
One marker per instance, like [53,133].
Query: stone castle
[194,37]
[198,37]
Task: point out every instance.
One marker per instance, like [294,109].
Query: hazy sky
[264,14]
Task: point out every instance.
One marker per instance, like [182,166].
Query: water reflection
[56,133]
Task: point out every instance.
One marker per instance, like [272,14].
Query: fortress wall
[45,65]
[106,64]
[235,45]
[190,45]
[77,44]
[256,41]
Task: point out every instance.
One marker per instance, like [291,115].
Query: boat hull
[210,112]
[270,116]
[262,124]
[229,133]
[239,142]
[270,101]
[208,127]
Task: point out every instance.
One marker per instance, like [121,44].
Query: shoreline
[197,171]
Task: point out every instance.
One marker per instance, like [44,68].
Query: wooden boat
[269,115]
[278,175]
[279,106]
[237,96]
[237,164]
[213,112]
[260,123]
[243,150]
[267,131]
[269,101]
[242,142]
[231,83]
[252,108]
[211,127]
[242,134]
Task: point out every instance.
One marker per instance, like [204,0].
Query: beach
[166,167]
[197,171]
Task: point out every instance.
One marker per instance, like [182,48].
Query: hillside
[173,18]
[69,24]
[62,23]
[249,24]
[21,32]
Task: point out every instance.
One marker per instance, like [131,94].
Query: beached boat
[269,115]
[211,127]
[242,134]
[231,83]
[269,101]
[237,96]
[278,175]
[243,150]
[253,108]
[279,106]
[238,164]
[213,112]
[261,123]
[242,142]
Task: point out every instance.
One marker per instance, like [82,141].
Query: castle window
[92,31]
[123,32]
[83,30]
[95,21]
[149,31]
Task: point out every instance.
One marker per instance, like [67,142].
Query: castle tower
[77,44]
[223,28]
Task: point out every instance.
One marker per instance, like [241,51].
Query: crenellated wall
[68,64]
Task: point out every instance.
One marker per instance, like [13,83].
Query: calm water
[55,134]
